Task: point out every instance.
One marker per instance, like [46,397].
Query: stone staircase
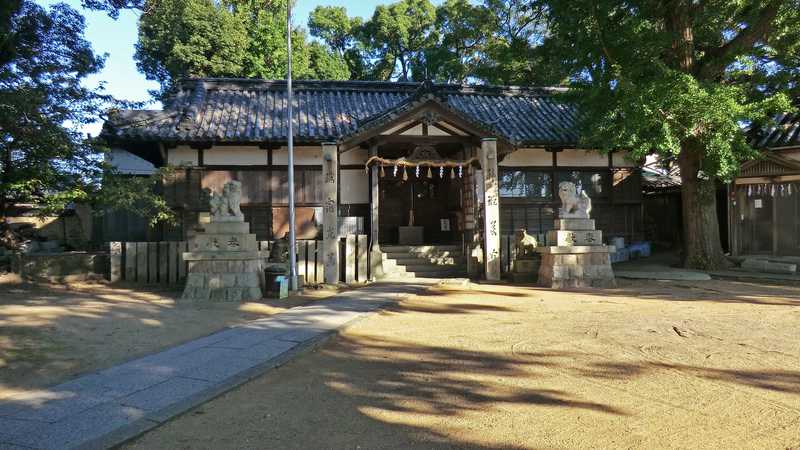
[423,261]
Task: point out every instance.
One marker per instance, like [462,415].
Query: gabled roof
[251,110]
[769,164]
[785,133]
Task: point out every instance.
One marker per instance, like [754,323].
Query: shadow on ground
[387,390]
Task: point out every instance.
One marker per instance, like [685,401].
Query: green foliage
[342,35]
[458,41]
[138,195]
[44,101]
[662,92]
[190,38]
[398,34]
[232,38]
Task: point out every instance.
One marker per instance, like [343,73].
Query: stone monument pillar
[330,216]
[224,261]
[575,255]
[491,197]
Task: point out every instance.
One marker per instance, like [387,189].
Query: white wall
[306,156]
[354,186]
[525,157]
[581,158]
[619,159]
[128,163]
[354,156]
[182,155]
[234,156]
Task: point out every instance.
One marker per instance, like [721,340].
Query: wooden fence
[162,262]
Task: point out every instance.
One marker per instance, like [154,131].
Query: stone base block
[217,242]
[222,294]
[581,270]
[526,265]
[574,224]
[223,276]
[226,228]
[524,277]
[761,265]
[559,238]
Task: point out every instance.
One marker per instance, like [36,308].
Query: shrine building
[409,165]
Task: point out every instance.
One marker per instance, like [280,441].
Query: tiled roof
[248,110]
[785,133]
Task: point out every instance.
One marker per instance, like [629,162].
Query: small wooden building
[465,165]
[765,198]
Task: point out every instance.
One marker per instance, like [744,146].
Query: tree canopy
[458,41]
[680,79]
[233,38]
[44,102]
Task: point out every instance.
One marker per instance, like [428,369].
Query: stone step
[422,267]
[437,274]
[402,258]
[420,248]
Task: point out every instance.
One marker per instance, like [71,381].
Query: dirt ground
[648,365]
[51,333]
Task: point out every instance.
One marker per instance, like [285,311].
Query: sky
[117,38]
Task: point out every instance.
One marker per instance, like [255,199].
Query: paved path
[108,407]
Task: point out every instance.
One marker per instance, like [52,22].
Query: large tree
[233,38]
[679,78]
[494,41]
[343,35]
[45,101]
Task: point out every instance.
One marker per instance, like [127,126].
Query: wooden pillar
[774,222]
[375,257]
[491,204]
[330,225]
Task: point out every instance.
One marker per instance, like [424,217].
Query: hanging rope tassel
[430,174]
[383,172]
[405,174]
[453,173]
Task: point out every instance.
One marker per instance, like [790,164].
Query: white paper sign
[445,224]
[758,203]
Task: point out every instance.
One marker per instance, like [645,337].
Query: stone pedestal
[224,264]
[575,256]
[525,270]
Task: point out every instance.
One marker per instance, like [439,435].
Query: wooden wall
[265,198]
[616,206]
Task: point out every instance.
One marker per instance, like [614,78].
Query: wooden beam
[402,130]
[390,139]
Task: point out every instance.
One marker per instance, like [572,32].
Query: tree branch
[716,60]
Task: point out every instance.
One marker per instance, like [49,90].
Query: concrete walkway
[106,408]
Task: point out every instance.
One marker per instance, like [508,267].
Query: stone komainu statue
[525,244]
[226,207]
[573,206]
[279,253]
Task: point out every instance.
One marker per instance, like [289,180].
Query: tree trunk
[701,241]
[5,174]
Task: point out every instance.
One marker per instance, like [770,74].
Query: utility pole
[290,145]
